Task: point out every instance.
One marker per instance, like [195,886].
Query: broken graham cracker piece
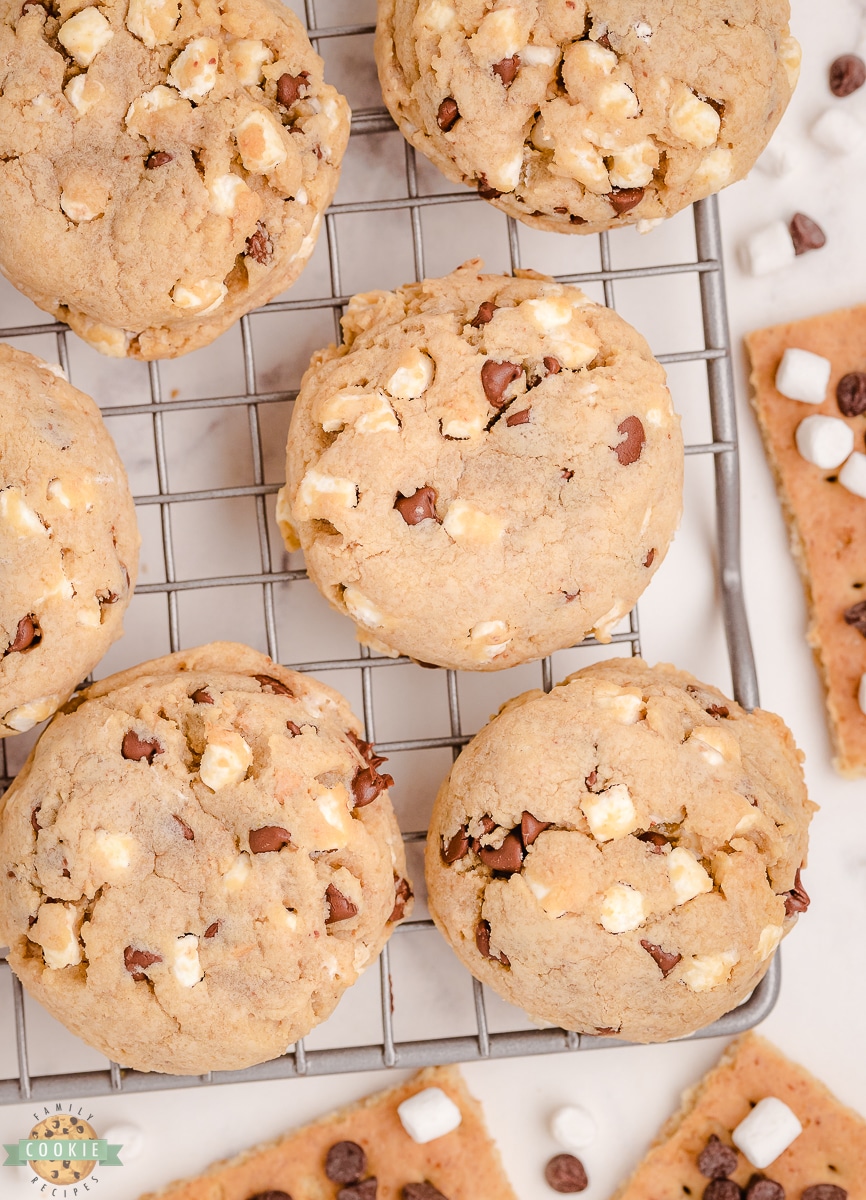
[830,1151]
[826,522]
[461,1165]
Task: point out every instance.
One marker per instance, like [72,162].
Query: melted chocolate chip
[34,817]
[365,1190]
[716,1160]
[345,1162]
[567,474]
[485,191]
[722,1189]
[271,1196]
[294,730]
[159,158]
[623,200]
[806,234]
[552,365]
[518,418]
[507,69]
[506,858]
[269,839]
[482,942]
[495,378]
[847,74]
[851,394]
[212,930]
[663,959]
[797,900]
[421,1191]
[565,1173]
[761,1188]
[591,779]
[484,314]
[402,895]
[657,841]
[457,847]
[366,749]
[856,616]
[289,88]
[340,907]
[648,561]
[368,784]
[448,114]
[200,696]
[135,748]
[27,635]
[259,245]
[137,962]
[531,828]
[420,506]
[824,1191]
[188,834]
[273,686]
[604,41]
[628,451]
[606,1031]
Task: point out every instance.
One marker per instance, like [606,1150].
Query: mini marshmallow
[861,694]
[429,1114]
[853,475]
[824,441]
[768,249]
[573,1127]
[804,376]
[766,1132]
[837,131]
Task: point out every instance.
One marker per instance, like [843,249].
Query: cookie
[578,118]
[68,540]
[827,1161]
[366,1149]
[622,855]
[202,857]
[486,470]
[164,164]
[826,522]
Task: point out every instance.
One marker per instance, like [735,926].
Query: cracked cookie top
[486,470]
[578,116]
[164,164]
[201,856]
[68,540]
[622,856]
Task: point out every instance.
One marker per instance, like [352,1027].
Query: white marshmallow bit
[791,56]
[768,249]
[224,191]
[152,21]
[185,965]
[770,937]
[204,296]
[582,160]
[465,522]
[412,377]
[688,877]
[766,1132]
[57,933]
[692,119]
[488,639]
[861,694]
[715,744]
[79,207]
[226,759]
[715,170]
[107,339]
[853,474]
[194,71]
[367,412]
[610,814]
[634,166]
[625,708]
[460,429]
[17,515]
[24,717]
[152,101]
[824,441]
[114,849]
[238,873]
[438,15]
[248,56]
[588,58]
[333,804]
[85,34]
[361,609]
[617,101]
[539,56]
[82,92]
[803,376]
[838,131]
[621,909]
[260,142]
[319,493]
[56,491]
[429,1115]
[643,31]
[703,972]
[573,1127]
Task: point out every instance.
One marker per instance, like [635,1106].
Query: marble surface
[819,1017]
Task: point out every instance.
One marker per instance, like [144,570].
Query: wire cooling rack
[275,575]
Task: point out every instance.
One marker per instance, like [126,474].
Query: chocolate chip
[561,209]
[346,1162]
[716,1160]
[294,730]
[824,1191]
[518,418]
[719,710]
[576,220]
[457,847]
[657,841]
[569,596]
[289,88]
[761,1188]
[565,1173]
[269,838]
[806,234]
[847,74]
[552,365]
[482,942]
[851,394]
[485,191]
[135,748]
[495,378]
[567,474]
[628,451]
[200,696]
[856,617]
[402,895]
[648,561]
[591,779]
[507,69]
[531,827]
[259,245]
[368,784]
[448,114]
[420,506]
[137,962]
[797,900]
[340,907]
[623,200]
[212,930]
[188,834]
[271,1196]
[421,1191]
[366,1190]
[34,817]
[484,315]
[506,858]
[604,41]
[27,635]
[663,959]
[722,1189]
[158,158]
[366,749]
[268,684]
[606,1031]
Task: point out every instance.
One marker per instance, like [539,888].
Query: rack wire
[388,1051]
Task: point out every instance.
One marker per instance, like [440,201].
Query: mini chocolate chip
[576,220]
[856,616]
[271,1196]
[346,1162]
[716,1160]
[294,730]
[34,815]
[340,907]
[851,394]
[847,74]
[368,784]
[531,827]
[722,1189]
[623,200]
[628,451]
[448,114]
[518,418]
[648,561]
[27,635]
[457,847]
[365,1190]
[259,245]
[268,684]
[569,596]
[402,895]
[289,88]
[565,1173]
[797,900]
[719,710]
[485,191]
[604,41]
[484,315]
[135,748]
[606,1031]
[506,858]
[212,930]
[269,838]
[657,841]
[552,365]
[495,378]
[137,962]
[567,474]
[420,506]
[761,1188]
[421,1191]
[663,959]
[591,779]
[824,1191]
[806,234]
[366,749]
[158,158]
[188,834]
[561,209]
[200,696]
[482,942]
[507,69]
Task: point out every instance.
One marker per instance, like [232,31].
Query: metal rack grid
[388,1052]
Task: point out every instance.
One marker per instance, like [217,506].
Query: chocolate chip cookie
[201,857]
[486,470]
[164,164]
[68,540]
[580,117]
[622,856]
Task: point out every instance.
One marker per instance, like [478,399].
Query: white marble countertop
[819,1017]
